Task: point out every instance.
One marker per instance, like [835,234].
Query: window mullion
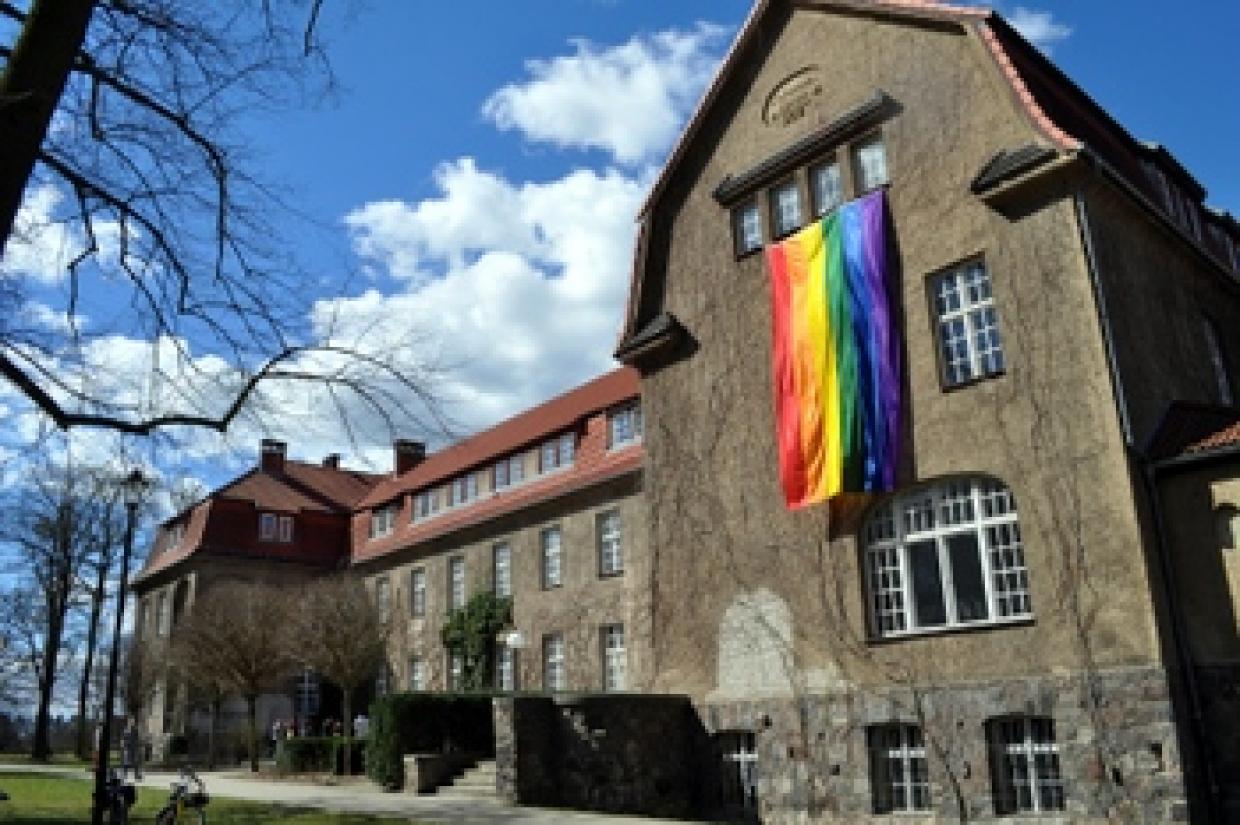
[983,548]
[940,533]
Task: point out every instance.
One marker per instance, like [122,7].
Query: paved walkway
[365,798]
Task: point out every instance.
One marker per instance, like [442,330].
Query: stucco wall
[1047,427]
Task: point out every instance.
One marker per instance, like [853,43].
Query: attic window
[383,520]
[176,534]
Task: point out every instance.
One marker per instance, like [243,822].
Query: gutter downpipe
[1148,472]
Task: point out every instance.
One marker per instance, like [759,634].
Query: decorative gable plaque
[793,97]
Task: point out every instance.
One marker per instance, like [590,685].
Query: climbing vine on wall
[471,630]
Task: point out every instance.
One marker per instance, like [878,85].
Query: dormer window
[624,426]
[463,490]
[557,453]
[507,471]
[425,504]
[383,521]
[176,534]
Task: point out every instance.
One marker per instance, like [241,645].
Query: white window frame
[817,172]
[286,529]
[554,672]
[383,521]
[951,507]
[426,504]
[505,668]
[974,315]
[610,543]
[1017,744]
[456,582]
[862,167]
[417,592]
[624,426]
[501,569]
[899,780]
[787,211]
[268,526]
[747,227]
[614,656]
[417,673]
[551,557]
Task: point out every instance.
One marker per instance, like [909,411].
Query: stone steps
[476,781]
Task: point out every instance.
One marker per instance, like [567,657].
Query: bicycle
[182,800]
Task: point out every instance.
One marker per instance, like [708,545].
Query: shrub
[402,723]
[317,754]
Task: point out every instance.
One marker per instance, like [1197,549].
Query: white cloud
[628,100]
[46,240]
[42,316]
[1039,27]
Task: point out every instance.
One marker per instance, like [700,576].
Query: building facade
[997,636]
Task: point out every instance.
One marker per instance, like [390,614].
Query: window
[417,591]
[1024,765]
[869,164]
[615,660]
[968,324]
[383,520]
[456,670]
[286,529]
[382,680]
[557,453]
[417,673]
[505,668]
[551,568]
[425,504]
[267,527]
[610,556]
[785,208]
[739,778]
[826,187]
[499,475]
[624,426]
[553,662]
[946,556]
[502,569]
[176,534]
[463,490]
[899,779]
[383,597]
[1218,361]
[164,614]
[456,583]
[747,227]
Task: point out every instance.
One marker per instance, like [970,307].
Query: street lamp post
[132,489]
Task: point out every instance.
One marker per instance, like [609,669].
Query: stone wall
[1119,762]
[626,754]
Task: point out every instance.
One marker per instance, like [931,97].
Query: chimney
[272,456]
[332,461]
[408,454]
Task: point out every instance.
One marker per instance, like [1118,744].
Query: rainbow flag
[836,356]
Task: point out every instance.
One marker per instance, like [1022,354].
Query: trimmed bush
[402,723]
[317,754]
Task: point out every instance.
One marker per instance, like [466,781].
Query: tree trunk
[92,634]
[30,87]
[252,734]
[42,746]
[346,708]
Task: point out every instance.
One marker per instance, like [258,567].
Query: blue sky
[478,168]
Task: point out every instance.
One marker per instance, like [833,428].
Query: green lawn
[59,799]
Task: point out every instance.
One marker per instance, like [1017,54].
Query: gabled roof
[1065,117]
[518,432]
[1188,427]
[302,486]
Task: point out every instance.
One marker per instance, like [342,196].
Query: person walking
[131,751]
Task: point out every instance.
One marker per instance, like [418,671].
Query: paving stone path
[365,798]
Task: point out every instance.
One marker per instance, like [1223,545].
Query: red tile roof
[302,487]
[520,431]
[1188,427]
[1229,436]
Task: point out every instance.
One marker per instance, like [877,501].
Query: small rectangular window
[502,569]
[499,475]
[456,583]
[505,668]
[267,527]
[870,164]
[747,227]
[456,670]
[614,656]
[610,553]
[516,469]
[383,597]
[827,189]
[417,592]
[624,426]
[899,776]
[568,448]
[785,208]
[286,529]
[1024,765]
[383,520]
[417,673]
[553,662]
[970,345]
[551,567]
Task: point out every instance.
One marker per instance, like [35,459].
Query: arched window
[945,555]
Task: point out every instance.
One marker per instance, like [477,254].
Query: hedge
[317,754]
[403,723]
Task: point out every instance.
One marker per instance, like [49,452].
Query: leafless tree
[236,637]
[142,666]
[128,108]
[341,633]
